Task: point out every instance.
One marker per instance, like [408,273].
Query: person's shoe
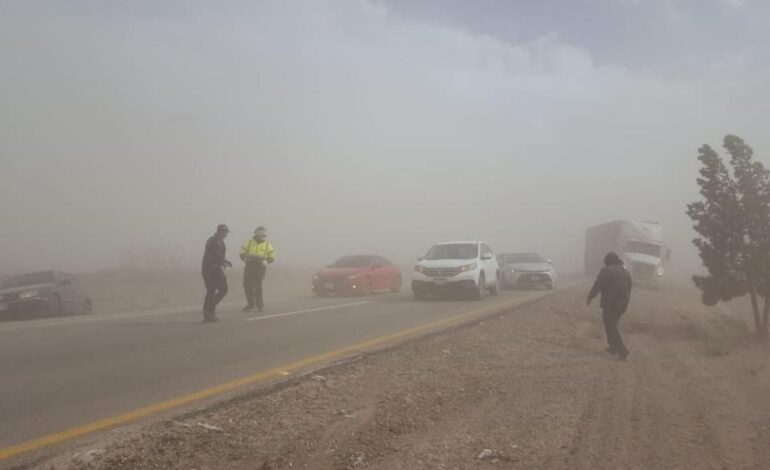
[610,351]
[260,308]
[210,319]
[622,355]
[248,308]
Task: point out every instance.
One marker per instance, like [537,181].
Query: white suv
[457,266]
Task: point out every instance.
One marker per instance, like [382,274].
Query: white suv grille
[441,272]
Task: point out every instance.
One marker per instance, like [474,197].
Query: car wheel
[88,307]
[495,288]
[366,287]
[55,306]
[419,295]
[481,288]
[396,285]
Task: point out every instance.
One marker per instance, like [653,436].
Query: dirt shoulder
[534,387]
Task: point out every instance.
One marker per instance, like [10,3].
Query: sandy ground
[529,389]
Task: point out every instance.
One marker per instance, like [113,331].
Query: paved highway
[58,374]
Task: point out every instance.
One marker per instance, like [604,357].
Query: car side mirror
[486,257]
[65,282]
[549,261]
[420,258]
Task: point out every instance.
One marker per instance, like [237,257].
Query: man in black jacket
[213,265]
[614,283]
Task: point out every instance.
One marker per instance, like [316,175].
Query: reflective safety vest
[263,249]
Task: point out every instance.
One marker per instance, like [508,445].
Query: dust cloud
[357,126]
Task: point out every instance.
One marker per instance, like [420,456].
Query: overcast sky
[357,126]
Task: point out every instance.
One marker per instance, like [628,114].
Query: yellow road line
[276,372]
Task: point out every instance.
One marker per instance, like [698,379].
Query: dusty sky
[357,126]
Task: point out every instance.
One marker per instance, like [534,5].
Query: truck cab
[645,260]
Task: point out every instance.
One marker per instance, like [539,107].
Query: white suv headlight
[468,267]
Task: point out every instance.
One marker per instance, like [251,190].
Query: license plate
[329,286]
[440,282]
[3,307]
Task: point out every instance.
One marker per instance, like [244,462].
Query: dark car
[358,274]
[46,293]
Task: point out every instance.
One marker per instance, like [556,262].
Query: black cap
[222,228]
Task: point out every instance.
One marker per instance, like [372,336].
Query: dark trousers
[611,317]
[216,289]
[253,276]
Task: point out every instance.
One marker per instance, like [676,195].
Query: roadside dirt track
[534,386]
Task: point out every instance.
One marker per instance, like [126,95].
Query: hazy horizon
[358,126]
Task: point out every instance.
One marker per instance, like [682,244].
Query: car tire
[419,295]
[88,307]
[396,285]
[495,288]
[366,287]
[55,306]
[481,288]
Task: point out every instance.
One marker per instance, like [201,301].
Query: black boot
[209,317]
[622,355]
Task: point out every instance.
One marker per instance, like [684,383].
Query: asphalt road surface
[66,372]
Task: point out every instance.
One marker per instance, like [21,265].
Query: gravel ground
[532,388]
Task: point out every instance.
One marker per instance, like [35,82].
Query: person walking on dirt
[614,283]
[213,265]
[257,253]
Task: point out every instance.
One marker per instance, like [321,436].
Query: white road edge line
[310,310]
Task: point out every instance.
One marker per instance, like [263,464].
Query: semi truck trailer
[639,244]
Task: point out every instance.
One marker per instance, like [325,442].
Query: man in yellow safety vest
[257,253]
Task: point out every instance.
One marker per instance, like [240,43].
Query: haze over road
[62,373]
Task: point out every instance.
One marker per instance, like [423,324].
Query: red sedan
[358,275]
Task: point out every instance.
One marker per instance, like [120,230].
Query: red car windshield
[353,262]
